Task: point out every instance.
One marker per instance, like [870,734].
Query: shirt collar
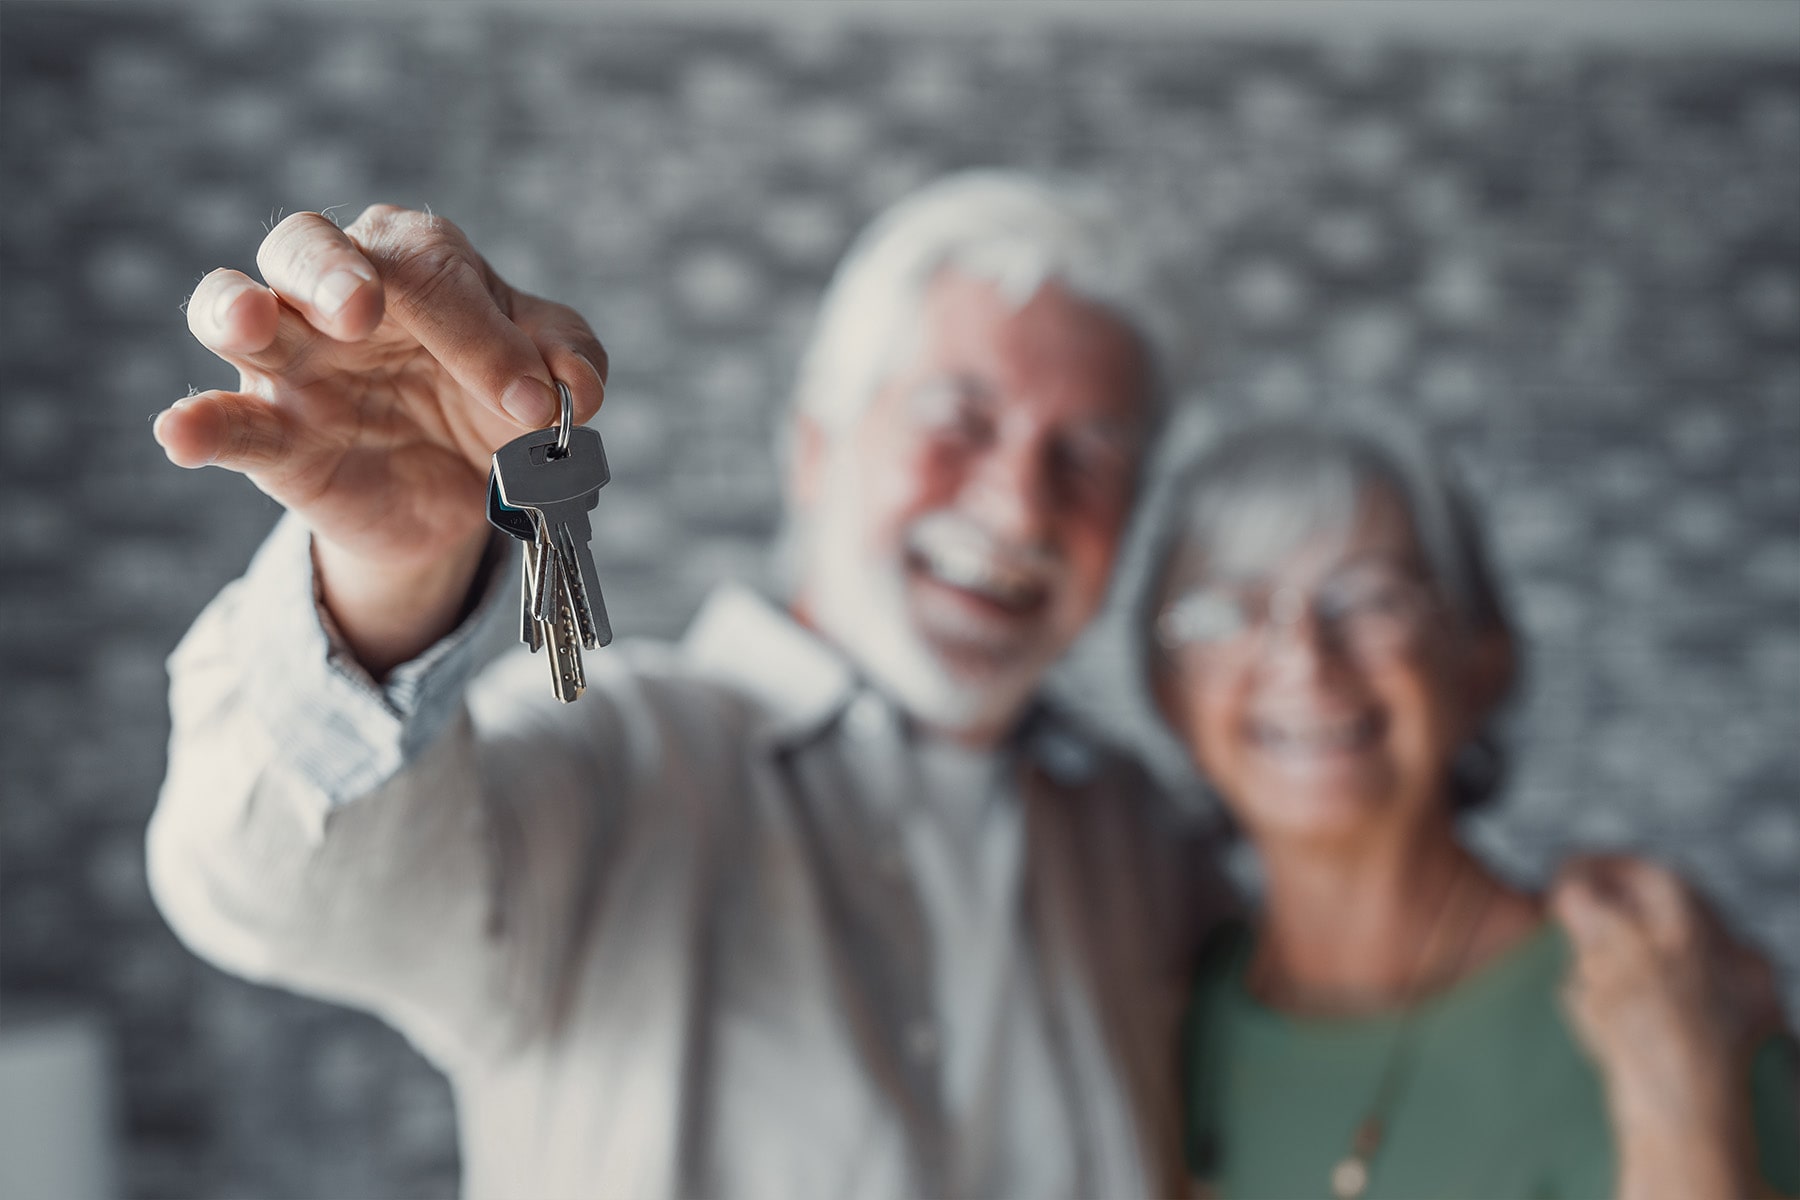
[1058,743]
[759,648]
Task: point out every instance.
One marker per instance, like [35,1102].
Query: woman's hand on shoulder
[1656,974]
[1670,1006]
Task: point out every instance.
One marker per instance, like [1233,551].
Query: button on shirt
[728,925]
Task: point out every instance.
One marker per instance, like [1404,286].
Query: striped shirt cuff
[336,727]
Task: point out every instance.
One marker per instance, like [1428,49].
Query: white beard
[858,599]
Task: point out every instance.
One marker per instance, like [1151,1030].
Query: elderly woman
[1398,1019]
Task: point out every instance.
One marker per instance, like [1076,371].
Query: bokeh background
[1569,244]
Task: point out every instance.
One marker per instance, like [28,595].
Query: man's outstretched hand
[378,369]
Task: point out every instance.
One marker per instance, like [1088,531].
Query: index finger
[1675,913]
[445,295]
[318,271]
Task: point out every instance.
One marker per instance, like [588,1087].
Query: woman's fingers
[1674,914]
[234,430]
[1584,910]
[443,293]
[1609,939]
[315,267]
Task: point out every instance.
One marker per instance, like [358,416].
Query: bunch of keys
[540,490]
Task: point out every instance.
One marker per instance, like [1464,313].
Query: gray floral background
[1579,267]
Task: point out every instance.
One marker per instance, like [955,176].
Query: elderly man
[823,902]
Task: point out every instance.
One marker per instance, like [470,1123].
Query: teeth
[961,562]
[1336,735]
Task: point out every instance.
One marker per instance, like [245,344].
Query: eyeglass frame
[1254,627]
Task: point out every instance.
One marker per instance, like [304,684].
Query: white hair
[1001,227]
[1263,489]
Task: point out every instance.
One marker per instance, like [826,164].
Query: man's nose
[1010,493]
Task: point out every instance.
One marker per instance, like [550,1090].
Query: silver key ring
[565,424]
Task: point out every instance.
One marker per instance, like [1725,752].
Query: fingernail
[334,291]
[222,306]
[156,421]
[529,402]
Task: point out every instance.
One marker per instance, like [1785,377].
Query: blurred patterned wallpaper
[1580,268]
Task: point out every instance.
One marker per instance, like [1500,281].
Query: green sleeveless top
[1499,1100]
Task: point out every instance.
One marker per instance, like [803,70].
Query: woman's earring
[1476,771]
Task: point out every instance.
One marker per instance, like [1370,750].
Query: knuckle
[422,254]
[254,437]
[407,226]
[374,226]
[581,340]
[557,320]
[390,224]
[432,270]
[562,322]
[291,228]
[375,216]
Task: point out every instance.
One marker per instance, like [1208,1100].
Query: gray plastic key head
[531,477]
[514,521]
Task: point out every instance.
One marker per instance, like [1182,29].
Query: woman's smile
[1305,738]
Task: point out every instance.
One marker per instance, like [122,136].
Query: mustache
[961,547]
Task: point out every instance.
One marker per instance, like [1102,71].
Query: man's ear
[806,463]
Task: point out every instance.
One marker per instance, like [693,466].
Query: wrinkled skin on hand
[372,373]
[378,370]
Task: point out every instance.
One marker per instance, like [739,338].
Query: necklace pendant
[1350,1178]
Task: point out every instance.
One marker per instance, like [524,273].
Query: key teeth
[549,581]
[589,607]
[596,633]
[576,677]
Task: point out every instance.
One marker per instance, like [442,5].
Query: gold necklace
[1350,1176]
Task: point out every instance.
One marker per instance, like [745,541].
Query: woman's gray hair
[1261,490]
[1002,227]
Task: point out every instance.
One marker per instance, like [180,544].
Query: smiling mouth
[964,563]
[1314,738]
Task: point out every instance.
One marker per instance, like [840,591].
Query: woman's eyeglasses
[1368,612]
